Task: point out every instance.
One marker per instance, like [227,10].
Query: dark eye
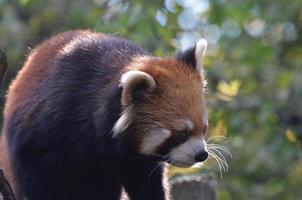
[183,135]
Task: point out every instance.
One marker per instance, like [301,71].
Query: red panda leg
[144,180]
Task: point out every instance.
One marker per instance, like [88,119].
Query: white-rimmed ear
[136,85]
[194,56]
[200,51]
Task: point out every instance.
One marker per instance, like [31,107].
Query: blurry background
[253,66]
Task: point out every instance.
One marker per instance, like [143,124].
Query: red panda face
[164,112]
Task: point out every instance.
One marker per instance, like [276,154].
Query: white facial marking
[155,139]
[200,50]
[182,124]
[189,124]
[205,118]
[123,122]
[184,154]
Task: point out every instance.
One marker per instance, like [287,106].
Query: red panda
[90,114]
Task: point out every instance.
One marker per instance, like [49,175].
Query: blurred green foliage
[253,68]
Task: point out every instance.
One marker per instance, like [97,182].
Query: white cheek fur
[123,122]
[155,139]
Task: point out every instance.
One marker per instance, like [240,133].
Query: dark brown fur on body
[34,71]
[77,125]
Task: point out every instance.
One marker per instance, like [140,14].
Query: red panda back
[37,68]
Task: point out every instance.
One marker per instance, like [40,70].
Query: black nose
[201,156]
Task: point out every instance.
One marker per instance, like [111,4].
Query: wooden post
[193,187]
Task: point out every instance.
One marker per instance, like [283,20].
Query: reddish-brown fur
[179,93]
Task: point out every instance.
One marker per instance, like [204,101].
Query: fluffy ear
[136,85]
[194,56]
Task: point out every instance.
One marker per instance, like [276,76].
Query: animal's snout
[201,156]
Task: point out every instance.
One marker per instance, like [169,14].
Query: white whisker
[219,165]
[222,159]
[216,136]
[223,164]
[218,146]
[218,152]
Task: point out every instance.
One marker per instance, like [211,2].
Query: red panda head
[164,110]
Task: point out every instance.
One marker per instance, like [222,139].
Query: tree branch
[5,189]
